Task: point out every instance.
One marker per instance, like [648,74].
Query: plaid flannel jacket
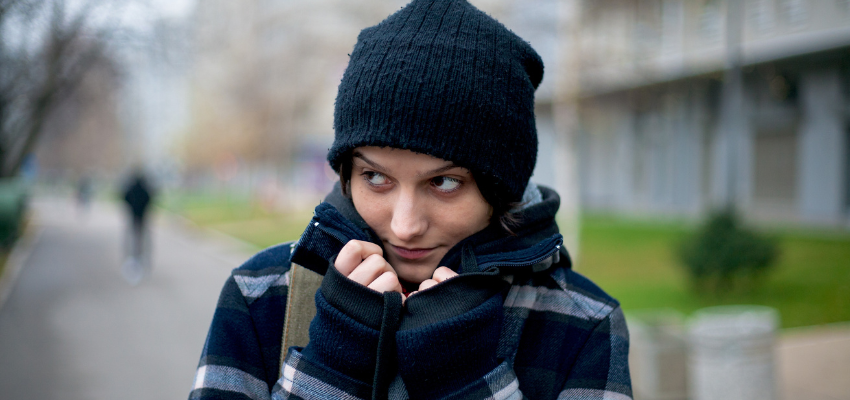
[561,338]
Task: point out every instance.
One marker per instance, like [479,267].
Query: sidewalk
[814,363]
[73,328]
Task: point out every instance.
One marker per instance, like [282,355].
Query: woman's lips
[411,254]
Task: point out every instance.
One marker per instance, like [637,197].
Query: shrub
[722,255]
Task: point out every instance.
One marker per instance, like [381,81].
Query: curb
[185,223]
[17,258]
[835,327]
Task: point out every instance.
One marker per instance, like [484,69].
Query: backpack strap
[300,309]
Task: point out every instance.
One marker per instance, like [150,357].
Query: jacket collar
[534,246]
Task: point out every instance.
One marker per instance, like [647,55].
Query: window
[847,167]
[762,15]
[649,26]
[794,12]
[710,22]
[775,169]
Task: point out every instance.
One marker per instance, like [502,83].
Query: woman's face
[420,206]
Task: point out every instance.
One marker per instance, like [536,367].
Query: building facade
[685,106]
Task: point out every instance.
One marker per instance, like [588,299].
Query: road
[74,328]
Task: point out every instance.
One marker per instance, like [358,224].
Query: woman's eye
[375,178]
[445,184]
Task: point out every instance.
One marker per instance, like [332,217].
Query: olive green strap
[300,309]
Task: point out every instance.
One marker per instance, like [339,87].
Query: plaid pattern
[298,382]
[563,338]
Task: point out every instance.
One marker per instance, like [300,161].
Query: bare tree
[46,49]
[83,135]
[265,75]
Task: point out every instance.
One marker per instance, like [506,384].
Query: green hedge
[13,204]
[723,254]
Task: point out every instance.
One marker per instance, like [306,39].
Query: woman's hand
[363,262]
[440,275]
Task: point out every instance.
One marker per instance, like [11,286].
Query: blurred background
[701,149]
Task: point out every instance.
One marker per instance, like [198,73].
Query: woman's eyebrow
[440,170]
[368,161]
[377,166]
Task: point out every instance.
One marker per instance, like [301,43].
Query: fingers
[353,253]
[370,269]
[363,262]
[386,282]
[443,274]
[427,284]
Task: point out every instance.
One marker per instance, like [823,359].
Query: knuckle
[384,282]
[354,245]
[390,276]
[370,248]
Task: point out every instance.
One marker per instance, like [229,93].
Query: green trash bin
[13,201]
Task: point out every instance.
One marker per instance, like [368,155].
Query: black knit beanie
[442,78]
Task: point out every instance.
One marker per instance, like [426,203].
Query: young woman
[444,272]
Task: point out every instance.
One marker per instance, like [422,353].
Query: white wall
[822,147]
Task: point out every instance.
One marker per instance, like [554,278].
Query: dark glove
[450,335]
[344,333]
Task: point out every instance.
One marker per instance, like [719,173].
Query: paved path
[73,328]
[814,363]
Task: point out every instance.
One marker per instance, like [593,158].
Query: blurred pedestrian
[84,194]
[138,195]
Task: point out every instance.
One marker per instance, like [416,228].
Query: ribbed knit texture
[385,367]
[352,298]
[440,77]
[444,357]
[342,343]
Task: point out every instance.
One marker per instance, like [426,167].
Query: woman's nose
[409,219]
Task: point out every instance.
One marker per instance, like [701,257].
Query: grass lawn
[240,218]
[635,262]
[632,260]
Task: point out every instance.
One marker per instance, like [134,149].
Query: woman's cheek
[471,219]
